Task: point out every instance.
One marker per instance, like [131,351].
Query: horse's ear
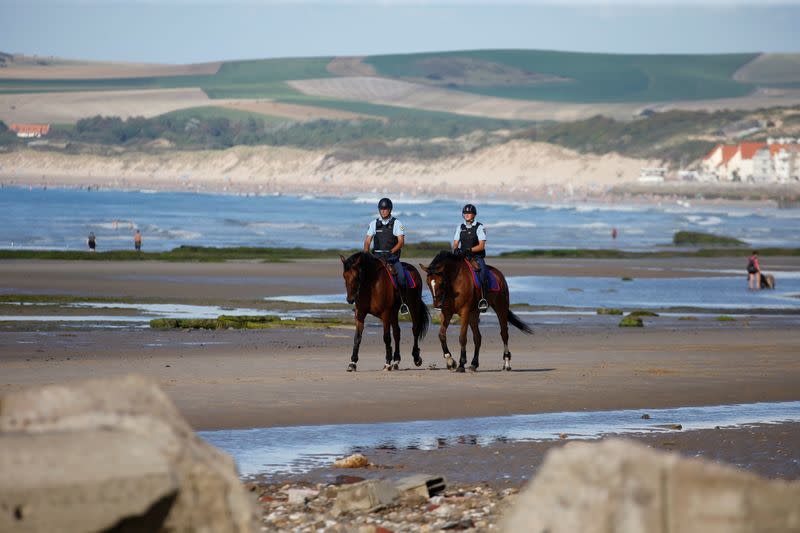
[342,258]
[423,267]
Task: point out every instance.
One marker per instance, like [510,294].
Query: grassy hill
[575,77]
[519,74]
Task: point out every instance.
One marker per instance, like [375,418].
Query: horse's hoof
[473,368]
[351,367]
[387,367]
[507,366]
[460,370]
[395,366]
[418,361]
[451,364]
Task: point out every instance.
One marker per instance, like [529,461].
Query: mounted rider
[470,240]
[386,234]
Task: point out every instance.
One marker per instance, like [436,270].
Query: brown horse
[370,288]
[453,291]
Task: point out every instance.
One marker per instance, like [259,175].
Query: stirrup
[404,309]
[483,305]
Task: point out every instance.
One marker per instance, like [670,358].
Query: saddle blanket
[494,284]
[410,281]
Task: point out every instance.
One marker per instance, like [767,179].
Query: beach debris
[626,278]
[356,460]
[676,427]
[608,311]
[366,495]
[645,417]
[618,485]
[631,322]
[725,318]
[432,366]
[422,485]
[454,509]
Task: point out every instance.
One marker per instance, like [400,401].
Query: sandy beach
[239,379]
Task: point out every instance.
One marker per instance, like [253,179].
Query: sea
[61,219]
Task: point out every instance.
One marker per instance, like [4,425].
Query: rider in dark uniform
[386,235]
[470,239]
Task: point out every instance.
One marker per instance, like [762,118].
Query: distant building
[777,160]
[30,130]
[652,175]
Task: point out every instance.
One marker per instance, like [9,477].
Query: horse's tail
[422,318]
[519,324]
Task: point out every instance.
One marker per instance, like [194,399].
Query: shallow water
[301,448]
[724,292]
[62,218]
[150,311]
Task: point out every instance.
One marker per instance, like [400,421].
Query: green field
[235,79]
[210,112]
[586,77]
[594,77]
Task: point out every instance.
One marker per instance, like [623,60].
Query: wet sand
[249,280]
[242,379]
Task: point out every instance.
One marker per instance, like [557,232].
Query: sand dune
[517,168]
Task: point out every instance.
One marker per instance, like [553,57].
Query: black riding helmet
[469,208]
[385,203]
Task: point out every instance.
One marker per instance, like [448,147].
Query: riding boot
[483,305]
[403,307]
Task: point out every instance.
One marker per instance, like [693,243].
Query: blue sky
[184,31]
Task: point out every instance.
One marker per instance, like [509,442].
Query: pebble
[468,508]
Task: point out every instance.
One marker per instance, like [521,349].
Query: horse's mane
[366,259]
[442,259]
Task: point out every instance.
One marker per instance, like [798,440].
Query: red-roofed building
[715,163]
[740,165]
[30,130]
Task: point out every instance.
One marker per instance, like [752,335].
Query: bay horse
[370,287]
[450,281]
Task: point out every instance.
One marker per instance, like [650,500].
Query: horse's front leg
[462,340]
[396,335]
[357,340]
[387,341]
[476,339]
[446,316]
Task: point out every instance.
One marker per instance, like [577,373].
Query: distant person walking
[614,233]
[753,271]
[137,240]
[92,242]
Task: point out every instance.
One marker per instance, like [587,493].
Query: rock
[354,461]
[645,417]
[210,496]
[620,486]
[631,322]
[301,496]
[47,485]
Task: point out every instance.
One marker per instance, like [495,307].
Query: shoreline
[543,195]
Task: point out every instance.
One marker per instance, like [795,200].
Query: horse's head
[437,279]
[353,267]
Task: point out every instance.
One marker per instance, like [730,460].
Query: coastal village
[773,161]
